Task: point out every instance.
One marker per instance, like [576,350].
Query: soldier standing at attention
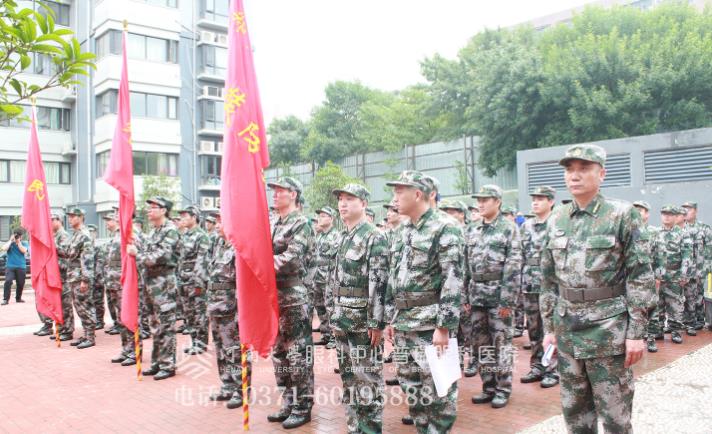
[356,297]
[157,253]
[494,263]
[98,290]
[324,252]
[193,248]
[61,237]
[292,355]
[597,287]
[701,237]
[79,253]
[219,272]
[533,231]
[425,288]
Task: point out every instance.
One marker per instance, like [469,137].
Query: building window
[214,60]
[5,223]
[108,43]
[164,3]
[61,12]
[43,65]
[210,169]
[55,172]
[212,115]
[106,103]
[4,172]
[154,49]
[48,118]
[142,105]
[215,10]
[155,163]
[102,160]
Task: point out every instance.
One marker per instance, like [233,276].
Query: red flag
[243,201]
[119,174]
[46,279]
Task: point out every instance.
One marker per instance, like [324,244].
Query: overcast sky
[302,45]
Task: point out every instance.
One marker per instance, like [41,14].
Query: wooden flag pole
[245,396]
[137,352]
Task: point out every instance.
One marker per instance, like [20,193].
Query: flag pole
[245,397]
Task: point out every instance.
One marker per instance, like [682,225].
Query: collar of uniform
[357,227]
[426,215]
[592,207]
[289,216]
[494,221]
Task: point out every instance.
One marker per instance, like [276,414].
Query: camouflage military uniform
[597,286]
[424,293]
[324,252]
[61,237]
[157,253]
[493,276]
[79,253]
[112,283]
[99,287]
[145,314]
[292,356]
[356,300]
[700,236]
[193,248]
[218,274]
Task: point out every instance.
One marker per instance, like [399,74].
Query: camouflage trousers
[670,304]
[180,303]
[128,346]
[195,311]
[111,306]
[161,303]
[430,413]
[67,311]
[492,342]
[535,330]
[361,369]
[464,337]
[98,300]
[145,314]
[320,307]
[293,359]
[84,305]
[693,297]
[597,387]
[45,320]
[520,312]
[226,339]
[700,301]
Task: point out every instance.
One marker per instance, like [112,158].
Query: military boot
[676,337]
[652,347]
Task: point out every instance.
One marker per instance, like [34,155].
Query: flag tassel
[245,396]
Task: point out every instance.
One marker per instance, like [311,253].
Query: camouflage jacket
[99,264]
[361,269]
[700,235]
[222,279]
[79,253]
[291,241]
[494,262]
[596,248]
[672,260]
[157,249]
[532,238]
[324,251]
[393,234]
[61,237]
[427,262]
[112,260]
[193,247]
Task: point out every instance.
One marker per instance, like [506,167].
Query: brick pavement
[49,389]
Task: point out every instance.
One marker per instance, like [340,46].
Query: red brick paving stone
[68,390]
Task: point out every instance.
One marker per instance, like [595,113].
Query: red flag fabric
[119,174]
[243,199]
[36,218]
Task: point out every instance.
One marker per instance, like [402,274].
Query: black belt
[486,277]
[590,294]
[221,285]
[289,282]
[352,291]
[406,300]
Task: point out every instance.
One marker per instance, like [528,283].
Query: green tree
[286,139]
[160,185]
[326,179]
[28,36]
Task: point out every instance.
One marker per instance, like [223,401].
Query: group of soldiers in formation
[586,274]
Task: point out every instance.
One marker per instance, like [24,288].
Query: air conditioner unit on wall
[206,202]
[207,146]
[217,202]
[221,39]
[213,91]
[207,36]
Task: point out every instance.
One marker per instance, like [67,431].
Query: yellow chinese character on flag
[37,187]
[239,19]
[252,139]
[233,100]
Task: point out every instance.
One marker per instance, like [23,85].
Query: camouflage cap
[433,181]
[473,207]
[669,209]
[413,178]
[592,153]
[457,205]
[110,216]
[210,219]
[356,190]
[192,210]
[370,212]
[489,190]
[545,191]
[509,209]
[389,206]
[91,227]
[75,211]
[688,204]
[642,204]
[160,201]
[287,182]
[326,210]
[56,215]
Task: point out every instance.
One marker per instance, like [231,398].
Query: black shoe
[99,326]
[196,350]
[180,329]
[549,381]
[527,346]
[113,331]
[153,370]
[118,359]
[531,377]
[63,337]
[186,331]
[295,421]
[483,398]
[470,371]
[676,337]
[652,347]
[4,302]
[392,382]
[19,301]
[500,400]
[85,344]
[235,402]
[315,330]
[518,333]
[331,345]
[77,342]
[222,396]
[145,335]
[407,420]
[280,416]
[388,358]
[162,375]
[43,332]
[337,371]
[699,326]
[691,331]
[129,361]
[187,349]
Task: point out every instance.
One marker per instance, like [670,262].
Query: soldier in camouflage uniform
[597,286]
[61,237]
[79,253]
[210,222]
[219,274]
[474,213]
[493,276]
[673,268]
[157,253]
[532,232]
[355,301]
[98,288]
[324,252]
[509,212]
[423,298]
[145,315]
[648,237]
[701,237]
[292,355]
[193,248]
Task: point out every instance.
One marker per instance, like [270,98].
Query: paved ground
[49,389]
